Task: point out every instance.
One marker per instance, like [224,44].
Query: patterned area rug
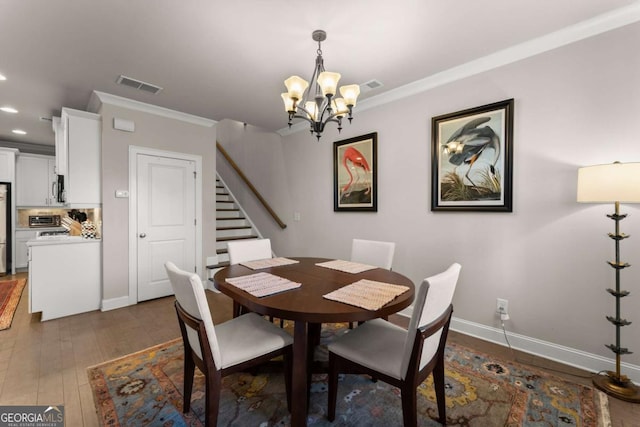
[145,388]
[10,293]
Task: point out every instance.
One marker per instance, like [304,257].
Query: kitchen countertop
[61,240]
[39,228]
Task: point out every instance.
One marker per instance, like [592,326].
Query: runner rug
[10,293]
[145,388]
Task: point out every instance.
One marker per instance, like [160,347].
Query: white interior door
[166,221]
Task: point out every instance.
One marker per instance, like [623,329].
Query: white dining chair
[249,250]
[372,252]
[224,349]
[401,357]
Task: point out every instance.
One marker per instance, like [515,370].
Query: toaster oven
[44,221]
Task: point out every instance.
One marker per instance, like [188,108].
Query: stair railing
[250,185]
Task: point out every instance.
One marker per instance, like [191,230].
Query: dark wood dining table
[307,308]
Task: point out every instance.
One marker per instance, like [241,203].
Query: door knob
[143,235]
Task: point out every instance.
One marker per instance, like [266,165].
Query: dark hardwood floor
[45,362]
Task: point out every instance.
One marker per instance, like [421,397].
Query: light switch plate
[122,194]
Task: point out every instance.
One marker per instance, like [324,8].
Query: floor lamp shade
[615,182]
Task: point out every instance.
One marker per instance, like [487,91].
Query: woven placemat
[346,266]
[367,294]
[263,284]
[268,262]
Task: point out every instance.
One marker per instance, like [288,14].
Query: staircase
[232,223]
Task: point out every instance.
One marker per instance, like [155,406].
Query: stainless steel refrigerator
[5,227]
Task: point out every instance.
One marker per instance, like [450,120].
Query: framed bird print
[472,159]
[355,185]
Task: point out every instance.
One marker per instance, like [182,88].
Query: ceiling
[228,59]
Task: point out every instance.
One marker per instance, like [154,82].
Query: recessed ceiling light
[2,77]
[8,109]
[19,132]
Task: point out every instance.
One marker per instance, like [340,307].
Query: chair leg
[333,387]
[212,398]
[409,405]
[438,384]
[189,372]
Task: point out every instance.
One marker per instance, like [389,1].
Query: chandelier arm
[300,107]
[333,118]
[296,116]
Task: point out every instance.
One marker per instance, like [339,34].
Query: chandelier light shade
[318,104]
[614,183]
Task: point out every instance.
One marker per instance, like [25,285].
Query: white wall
[574,106]
[160,133]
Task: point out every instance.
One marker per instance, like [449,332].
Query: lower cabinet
[65,277]
[22,251]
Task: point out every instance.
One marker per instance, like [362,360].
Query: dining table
[308,308]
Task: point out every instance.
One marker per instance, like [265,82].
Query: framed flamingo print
[355,185]
[471,159]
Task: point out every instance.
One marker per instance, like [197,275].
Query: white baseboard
[113,303]
[559,353]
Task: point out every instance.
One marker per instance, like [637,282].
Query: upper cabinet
[78,156]
[35,180]
[7,164]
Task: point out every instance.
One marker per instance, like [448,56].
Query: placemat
[346,266]
[367,294]
[263,284]
[268,262]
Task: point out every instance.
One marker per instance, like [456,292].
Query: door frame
[134,151]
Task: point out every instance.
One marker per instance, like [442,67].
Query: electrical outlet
[502,306]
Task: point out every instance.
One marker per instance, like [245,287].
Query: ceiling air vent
[138,84]
[371,85]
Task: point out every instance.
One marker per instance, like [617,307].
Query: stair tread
[241,227]
[227,210]
[218,265]
[226,239]
[226,218]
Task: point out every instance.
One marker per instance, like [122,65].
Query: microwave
[44,221]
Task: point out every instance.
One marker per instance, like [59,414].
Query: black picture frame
[355,167]
[472,159]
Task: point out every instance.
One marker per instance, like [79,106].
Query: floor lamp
[616,182]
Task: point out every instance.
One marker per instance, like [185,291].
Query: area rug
[145,388]
[10,293]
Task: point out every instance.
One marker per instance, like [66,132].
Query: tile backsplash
[94,215]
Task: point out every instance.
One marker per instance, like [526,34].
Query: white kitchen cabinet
[65,276]
[78,136]
[35,180]
[22,251]
[7,164]
[60,146]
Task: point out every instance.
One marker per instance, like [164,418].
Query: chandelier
[319,106]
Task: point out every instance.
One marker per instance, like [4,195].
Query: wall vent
[138,84]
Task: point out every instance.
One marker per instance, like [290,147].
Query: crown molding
[98,98]
[591,27]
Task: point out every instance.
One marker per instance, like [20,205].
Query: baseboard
[559,353]
[113,303]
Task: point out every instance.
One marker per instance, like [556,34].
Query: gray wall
[574,106]
[159,133]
